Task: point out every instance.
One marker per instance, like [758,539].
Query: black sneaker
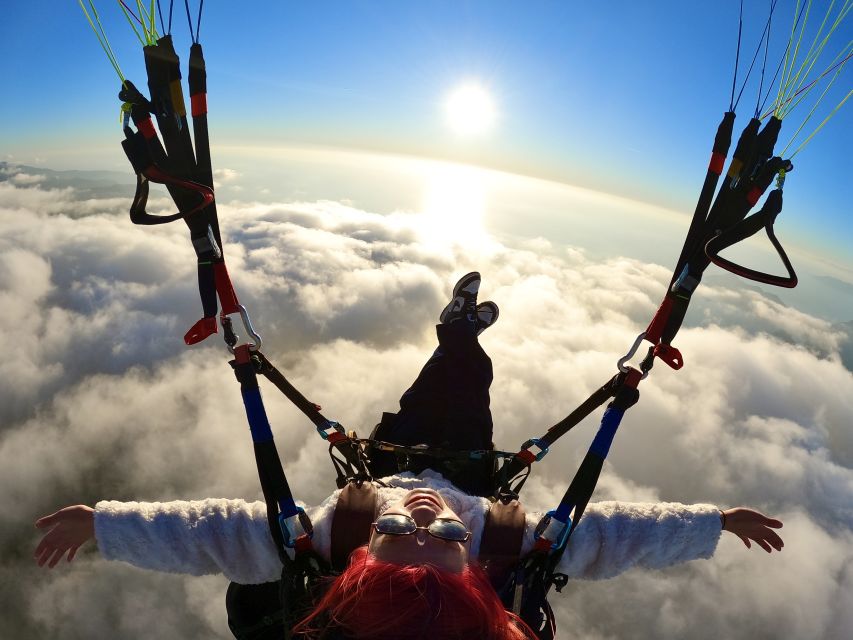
[464,302]
[487,315]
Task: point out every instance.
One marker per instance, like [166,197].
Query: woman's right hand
[66,531]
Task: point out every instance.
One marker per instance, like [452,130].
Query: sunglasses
[393,524]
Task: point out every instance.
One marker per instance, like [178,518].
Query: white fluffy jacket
[232,537]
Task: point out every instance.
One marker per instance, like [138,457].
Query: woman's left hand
[748,524]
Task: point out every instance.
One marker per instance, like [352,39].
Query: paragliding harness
[523,583]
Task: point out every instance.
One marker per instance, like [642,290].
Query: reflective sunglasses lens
[449,530]
[395,525]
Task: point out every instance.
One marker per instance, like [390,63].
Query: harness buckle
[331,429]
[685,284]
[535,442]
[206,245]
[295,526]
[553,531]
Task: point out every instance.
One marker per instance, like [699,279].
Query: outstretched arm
[613,537]
[197,538]
[748,524]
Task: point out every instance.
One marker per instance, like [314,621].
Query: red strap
[526,456]
[753,196]
[155,174]
[227,297]
[633,378]
[242,355]
[718,160]
[201,330]
[542,545]
[303,544]
[670,355]
[335,437]
[198,103]
[656,326]
[146,128]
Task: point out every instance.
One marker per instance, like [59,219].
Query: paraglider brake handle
[746,228]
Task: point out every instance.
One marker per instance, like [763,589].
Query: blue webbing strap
[564,519]
[277,494]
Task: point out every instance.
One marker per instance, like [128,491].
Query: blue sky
[623,98]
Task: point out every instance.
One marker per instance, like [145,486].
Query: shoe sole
[494,315]
[457,302]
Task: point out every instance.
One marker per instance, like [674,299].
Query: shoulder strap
[354,513]
[503,535]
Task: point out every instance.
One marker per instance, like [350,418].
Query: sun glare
[454,205]
[470,110]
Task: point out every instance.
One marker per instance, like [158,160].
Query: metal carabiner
[633,350]
[250,329]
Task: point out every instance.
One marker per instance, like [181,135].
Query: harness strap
[524,458]
[329,430]
[279,498]
[722,142]
[503,536]
[354,514]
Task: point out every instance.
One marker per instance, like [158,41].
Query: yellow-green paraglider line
[802,93]
[816,80]
[812,56]
[788,68]
[825,120]
[811,113]
[101,36]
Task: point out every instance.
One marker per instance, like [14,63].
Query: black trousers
[447,406]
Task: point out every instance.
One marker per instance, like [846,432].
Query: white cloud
[224,175]
[26,179]
[102,400]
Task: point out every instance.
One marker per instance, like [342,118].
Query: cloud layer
[102,400]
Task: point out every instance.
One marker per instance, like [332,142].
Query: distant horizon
[824,278]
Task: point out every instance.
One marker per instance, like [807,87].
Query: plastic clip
[330,430]
[553,531]
[534,442]
[294,527]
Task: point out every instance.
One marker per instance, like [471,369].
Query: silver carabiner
[621,363]
[250,329]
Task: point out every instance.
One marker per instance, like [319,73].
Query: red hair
[383,601]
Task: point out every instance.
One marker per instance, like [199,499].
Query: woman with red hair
[418,576]
[382,600]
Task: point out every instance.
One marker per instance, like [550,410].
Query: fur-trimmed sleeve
[197,538]
[612,537]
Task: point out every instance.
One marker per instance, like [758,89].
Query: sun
[470,110]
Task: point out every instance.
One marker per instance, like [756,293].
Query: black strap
[353,463]
[514,466]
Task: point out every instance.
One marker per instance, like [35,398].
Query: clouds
[102,400]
